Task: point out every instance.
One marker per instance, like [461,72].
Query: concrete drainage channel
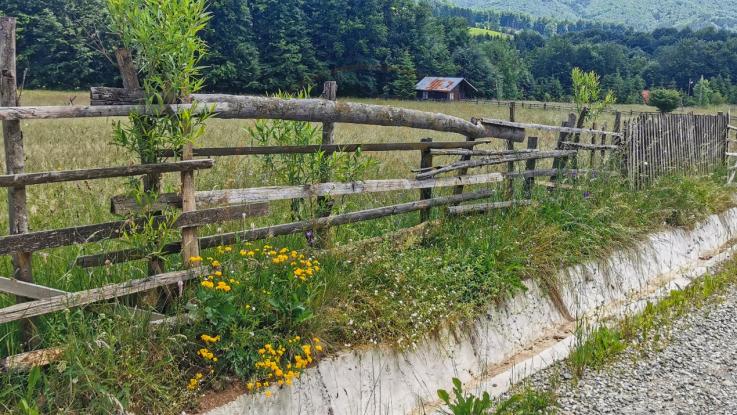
[509,343]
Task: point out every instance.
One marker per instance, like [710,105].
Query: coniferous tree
[287,57]
[233,58]
[404,76]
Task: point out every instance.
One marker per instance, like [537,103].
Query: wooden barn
[444,89]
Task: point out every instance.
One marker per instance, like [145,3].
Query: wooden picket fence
[663,144]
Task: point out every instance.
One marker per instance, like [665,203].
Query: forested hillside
[644,15]
[382,47]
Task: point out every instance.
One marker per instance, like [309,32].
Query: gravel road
[696,373]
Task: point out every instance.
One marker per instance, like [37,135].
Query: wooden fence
[200,208]
[662,144]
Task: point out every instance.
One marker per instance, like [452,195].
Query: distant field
[478,31]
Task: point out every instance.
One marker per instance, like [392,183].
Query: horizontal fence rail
[126,205]
[309,110]
[327,149]
[26,179]
[35,241]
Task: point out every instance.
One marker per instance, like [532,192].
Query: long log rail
[309,110]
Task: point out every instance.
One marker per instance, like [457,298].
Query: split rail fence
[199,208]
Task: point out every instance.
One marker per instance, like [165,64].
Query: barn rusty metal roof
[439,84]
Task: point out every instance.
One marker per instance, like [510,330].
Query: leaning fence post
[529,167]
[559,162]
[425,163]
[14,158]
[325,204]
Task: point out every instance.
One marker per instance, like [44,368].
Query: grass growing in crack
[600,347]
[648,330]
[527,401]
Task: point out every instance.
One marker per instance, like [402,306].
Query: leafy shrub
[665,100]
[302,169]
[587,93]
[250,311]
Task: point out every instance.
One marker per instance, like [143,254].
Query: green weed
[526,402]
[464,403]
[599,348]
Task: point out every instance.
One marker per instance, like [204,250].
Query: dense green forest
[645,15]
[382,47]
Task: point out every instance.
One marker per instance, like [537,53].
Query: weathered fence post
[190,244]
[603,143]
[560,162]
[14,158]
[510,147]
[592,154]
[325,204]
[425,163]
[530,166]
[577,137]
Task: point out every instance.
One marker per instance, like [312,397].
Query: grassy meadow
[394,291]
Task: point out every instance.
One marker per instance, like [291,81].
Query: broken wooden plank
[584,146]
[493,161]
[78,299]
[38,292]
[115,96]
[486,207]
[544,127]
[126,205]
[462,152]
[24,362]
[556,185]
[561,172]
[112,230]
[15,180]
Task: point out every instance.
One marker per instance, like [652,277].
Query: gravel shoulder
[694,373]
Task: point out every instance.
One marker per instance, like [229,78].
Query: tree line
[382,47]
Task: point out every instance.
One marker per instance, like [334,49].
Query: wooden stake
[426,163]
[510,146]
[14,159]
[190,246]
[529,166]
